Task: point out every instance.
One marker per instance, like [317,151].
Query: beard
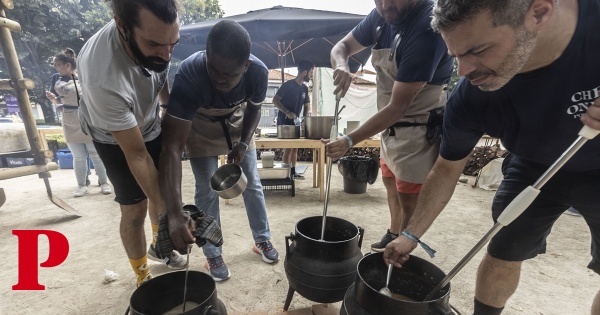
[306,78]
[525,43]
[151,63]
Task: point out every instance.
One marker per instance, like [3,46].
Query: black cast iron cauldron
[414,280]
[322,270]
[165,292]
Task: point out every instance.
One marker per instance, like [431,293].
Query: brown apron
[207,137]
[408,154]
[70,115]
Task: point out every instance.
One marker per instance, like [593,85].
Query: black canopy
[283,36]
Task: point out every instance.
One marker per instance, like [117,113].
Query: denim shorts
[525,237]
[127,190]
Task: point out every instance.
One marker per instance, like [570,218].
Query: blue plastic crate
[65,158]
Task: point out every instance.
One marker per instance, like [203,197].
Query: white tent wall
[361,103]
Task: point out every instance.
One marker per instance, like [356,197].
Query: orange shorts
[401,186]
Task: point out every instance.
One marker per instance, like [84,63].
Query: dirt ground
[555,283]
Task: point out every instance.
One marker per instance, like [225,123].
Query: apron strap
[222,119]
[403,124]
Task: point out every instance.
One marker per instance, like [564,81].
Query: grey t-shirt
[117,95]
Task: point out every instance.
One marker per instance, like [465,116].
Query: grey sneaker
[81,191]
[217,268]
[267,251]
[173,261]
[386,239]
[105,189]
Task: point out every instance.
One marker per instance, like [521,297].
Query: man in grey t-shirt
[123,74]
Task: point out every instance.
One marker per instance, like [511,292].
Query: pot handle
[361,233]
[209,310]
[287,243]
[127,310]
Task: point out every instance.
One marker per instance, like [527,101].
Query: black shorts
[525,237]
[127,190]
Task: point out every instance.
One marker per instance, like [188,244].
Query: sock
[483,309]
[140,267]
[154,233]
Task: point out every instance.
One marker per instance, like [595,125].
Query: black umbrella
[283,36]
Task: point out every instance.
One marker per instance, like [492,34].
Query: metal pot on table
[288,132]
[319,127]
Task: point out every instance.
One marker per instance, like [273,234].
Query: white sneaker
[81,191]
[105,189]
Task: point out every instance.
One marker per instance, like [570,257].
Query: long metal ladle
[519,204]
[332,136]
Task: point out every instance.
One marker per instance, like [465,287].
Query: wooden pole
[6,4]
[9,85]
[10,24]
[7,173]
[14,70]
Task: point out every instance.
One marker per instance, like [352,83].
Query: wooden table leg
[314,168]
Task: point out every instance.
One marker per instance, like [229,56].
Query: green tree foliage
[195,11]
[48,26]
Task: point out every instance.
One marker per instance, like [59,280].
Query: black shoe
[298,176]
[386,239]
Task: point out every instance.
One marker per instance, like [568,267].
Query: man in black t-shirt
[531,79]
[292,99]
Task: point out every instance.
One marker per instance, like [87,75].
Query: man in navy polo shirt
[213,109]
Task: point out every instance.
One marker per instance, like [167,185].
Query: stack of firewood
[481,156]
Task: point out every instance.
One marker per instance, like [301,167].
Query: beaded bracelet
[350,143]
[426,247]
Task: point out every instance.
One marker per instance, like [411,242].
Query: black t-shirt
[536,115]
[293,97]
[422,55]
[192,88]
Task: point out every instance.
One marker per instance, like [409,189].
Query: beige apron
[408,154]
[207,137]
[70,116]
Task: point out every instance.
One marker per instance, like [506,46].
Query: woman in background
[64,93]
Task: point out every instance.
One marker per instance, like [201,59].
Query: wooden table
[319,160]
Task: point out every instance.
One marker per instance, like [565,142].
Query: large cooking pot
[229,181]
[414,280]
[322,270]
[288,132]
[164,295]
[318,127]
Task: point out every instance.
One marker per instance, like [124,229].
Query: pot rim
[324,241]
[362,281]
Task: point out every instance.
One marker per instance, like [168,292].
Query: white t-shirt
[116,93]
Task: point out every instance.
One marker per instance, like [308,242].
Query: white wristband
[350,143]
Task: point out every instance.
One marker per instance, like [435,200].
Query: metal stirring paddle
[332,136]
[187,268]
[386,290]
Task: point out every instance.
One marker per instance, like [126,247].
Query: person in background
[123,73]
[64,94]
[214,108]
[412,66]
[511,54]
[292,99]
